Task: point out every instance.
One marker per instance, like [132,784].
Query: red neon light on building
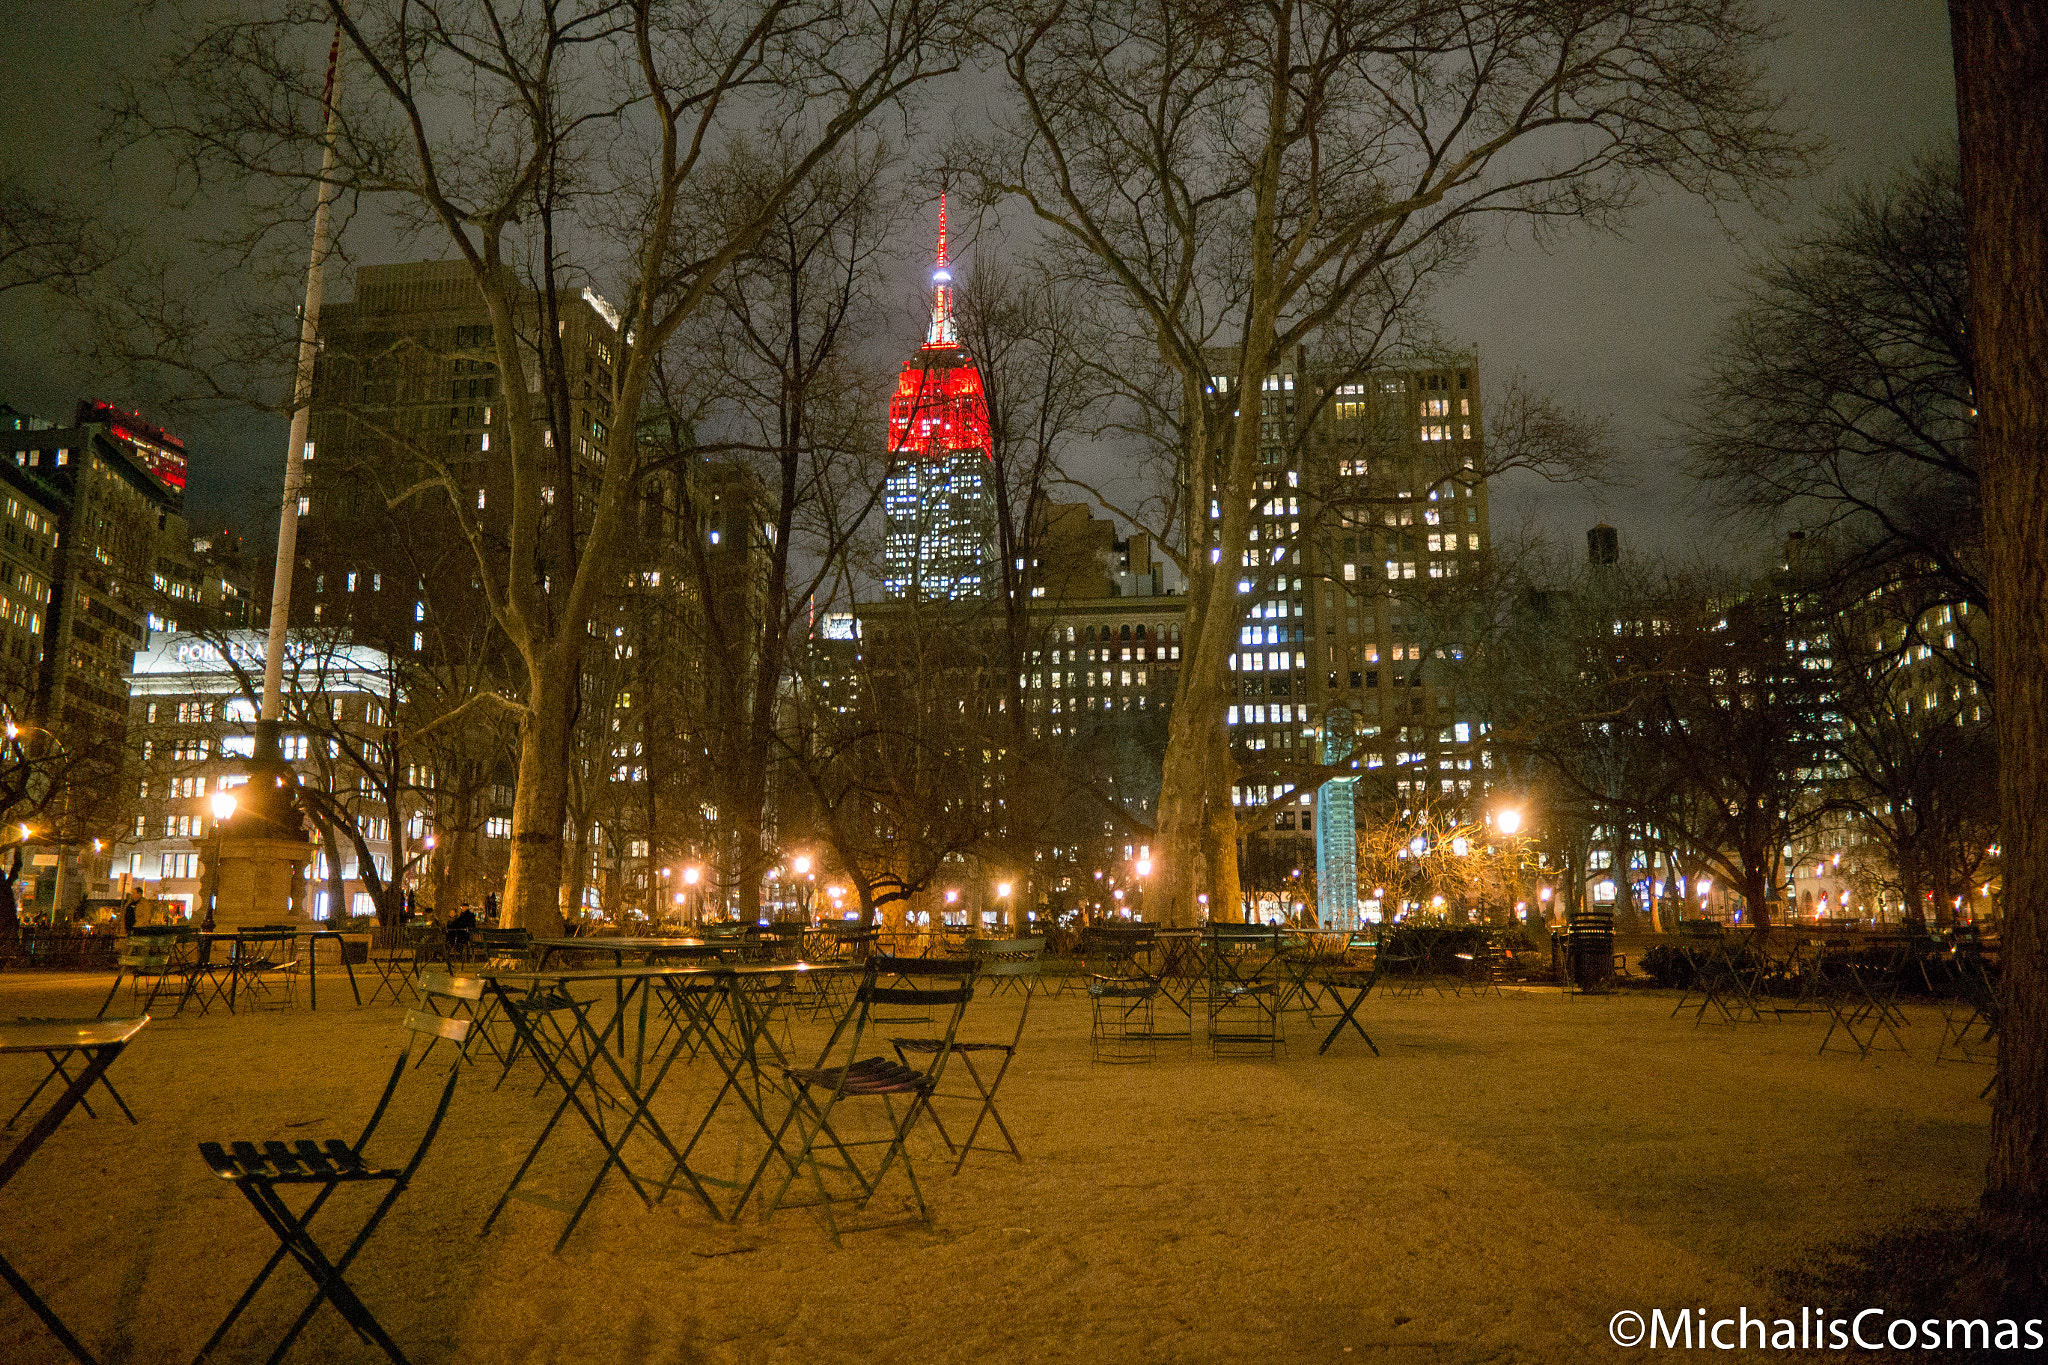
[160,452]
[939,408]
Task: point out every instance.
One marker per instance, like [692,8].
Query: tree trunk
[1180,835]
[337,892]
[1909,888]
[1756,889]
[533,881]
[2001,62]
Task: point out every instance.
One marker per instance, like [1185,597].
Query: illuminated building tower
[939,506]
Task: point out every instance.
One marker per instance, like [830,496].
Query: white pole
[295,451]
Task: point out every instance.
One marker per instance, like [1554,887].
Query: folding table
[101,1040]
[236,967]
[1305,955]
[1865,994]
[646,949]
[1180,968]
[589,1052]
[729,991]
[1718,974]
[313,937]
[1357,982]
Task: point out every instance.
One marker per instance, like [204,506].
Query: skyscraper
[939,504]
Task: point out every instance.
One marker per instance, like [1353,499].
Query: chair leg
[327,1275]
[988,1109]
[263,1276]
[897,1148]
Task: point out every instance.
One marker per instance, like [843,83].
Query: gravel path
[1510,1173]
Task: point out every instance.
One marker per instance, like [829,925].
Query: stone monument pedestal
[259,881]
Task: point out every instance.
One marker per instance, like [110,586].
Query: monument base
[260,881]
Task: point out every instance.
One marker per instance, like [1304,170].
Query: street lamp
[805,880]
[223,805]
[1507,821]
[690,876]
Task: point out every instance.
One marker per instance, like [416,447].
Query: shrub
[1666,965]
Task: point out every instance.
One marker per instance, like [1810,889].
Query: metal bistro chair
[1305,959]
[1861,992]
[504,947]
[1722,973]
[1355,975]
[1017,963]
[456,997]
[1120,1019]
[1480,964]
[1969,1003]
[819,1093]
[261,1171]
[417,945]
[1401,961]
[783,940]
[849,942]
[266,959]
[1243,1002]
[157,954]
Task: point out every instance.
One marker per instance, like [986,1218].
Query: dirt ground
[1510,1173]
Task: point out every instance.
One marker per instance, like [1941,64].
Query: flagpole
[269,718]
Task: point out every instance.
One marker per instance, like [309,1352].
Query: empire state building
[938,505]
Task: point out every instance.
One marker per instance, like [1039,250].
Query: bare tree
[526,143]
[778,463]
[1248,174]
[1842,394]
[48,242]
[894,757]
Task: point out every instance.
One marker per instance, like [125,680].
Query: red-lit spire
[939,409]
[942,333]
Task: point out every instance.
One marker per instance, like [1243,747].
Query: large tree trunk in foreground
[533,882]
[2001,59]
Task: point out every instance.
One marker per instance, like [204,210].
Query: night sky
[1619,325]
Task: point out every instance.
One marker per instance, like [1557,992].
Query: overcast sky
[1617,325]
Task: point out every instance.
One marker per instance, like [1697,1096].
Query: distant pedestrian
[460,928]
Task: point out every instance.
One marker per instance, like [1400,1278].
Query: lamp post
[1508,821]
[690,876]
[22,757]
[1003,901]
[806,882]
[1143,867]
[223,805]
